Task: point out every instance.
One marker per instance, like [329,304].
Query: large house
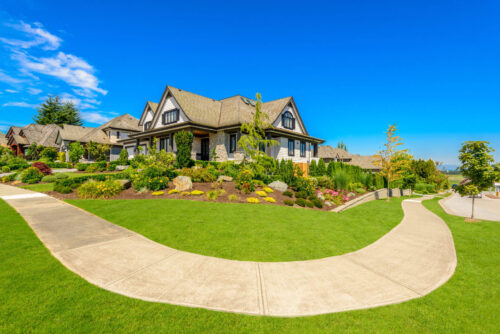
[329,154]
[59,137]
[216,125]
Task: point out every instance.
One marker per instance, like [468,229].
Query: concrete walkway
[410,261]
[484,208]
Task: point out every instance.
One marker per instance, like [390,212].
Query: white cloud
[9,79]
[38,37]
[94,117]
[19,104]
[73,70]
[65,97]
[11,91]
[34,91]
[4,127]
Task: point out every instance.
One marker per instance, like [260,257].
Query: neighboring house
[20,138]
[3,139]
[328,154]
[109,133]
[216,125]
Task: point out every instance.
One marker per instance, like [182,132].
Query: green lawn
[250,232]
[38,294]
[455,179]
[40,187]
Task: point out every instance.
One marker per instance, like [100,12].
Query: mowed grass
[455,179]
[41,187]
[250,232]
[38,294]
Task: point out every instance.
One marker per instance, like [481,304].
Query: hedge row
[66,186]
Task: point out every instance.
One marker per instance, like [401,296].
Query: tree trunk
[472,214]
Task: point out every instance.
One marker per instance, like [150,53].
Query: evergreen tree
[321,169]
[312,168]
[184,142]
[53,111]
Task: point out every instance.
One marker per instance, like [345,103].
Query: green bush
[300,202]
[5,169]
[317,203]
[123,160]
[61,176]
[111,167]
[49,153]
[59,164]
[184,143]
[288,193]
[61,156]
[309,204]
[67,185]
[360,190]
[49,178]
[325,182]
[305,184]
[82,167]
[288,202]
[152,178]
[92,168]
[341,179]
[99,189]
[431,188]
[301,194]
[31,175]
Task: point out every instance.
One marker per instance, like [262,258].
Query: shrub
[82,167]
[49,178]
[269,199]
[10,177]
[300,202]
[312,197]
[5,169]
[288,202]
[61,176]
[355,185]
[99,189]
[197,192]
[321,168]
[253,200]
[123,160]
[61,156]
[268,190]
[233,197]
[208,174]
[288,193]
[185,193]
[212,195]
[360,191]
[31,175]
[76,151]
[341,179]
[49,153]
[246,187]
[305,184]
[301,194]
[173,191]
[157,193]
[111,167]
[151,178]
[42,167]
[93,168]
[317,203]
[261,193]
[97,151]
[309,204]
[325,182]
[431,188]
[184,143]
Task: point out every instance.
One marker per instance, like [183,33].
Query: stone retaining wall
[371,196]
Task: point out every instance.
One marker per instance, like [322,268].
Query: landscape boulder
[224,178]
[278,185]
[183,183]
[121,167]
[125,183]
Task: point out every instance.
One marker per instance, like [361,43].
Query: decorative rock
[351,194]
[321,197]
[121,168]
[125,183]
[183,183]
[224,178]
[328,203]
[278,185]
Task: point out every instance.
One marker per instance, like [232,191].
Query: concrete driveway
[484,208]
[410,261]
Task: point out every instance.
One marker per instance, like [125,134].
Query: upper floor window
[288,121]
[291,147]
[232,143]
[147,125]
[171,116]
[302,148]
[117,134]
[315,150]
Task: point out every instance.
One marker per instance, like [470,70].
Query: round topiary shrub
[288,202]
[300,202]
[61,176]
[317,203]
[49,179]
[309,204]
[301,194]
[288,193]
[5,169]
[31,175]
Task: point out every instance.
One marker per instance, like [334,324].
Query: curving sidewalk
[413,259]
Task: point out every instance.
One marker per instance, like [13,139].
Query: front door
[205,153]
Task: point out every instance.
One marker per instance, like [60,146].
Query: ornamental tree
[97,151]
[184,143]
[477,168]
[392,160]
[76,152]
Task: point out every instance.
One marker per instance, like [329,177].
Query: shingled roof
[3,139]
[220,113]
[44,135]
[329,152]
[364,161]
[74,132]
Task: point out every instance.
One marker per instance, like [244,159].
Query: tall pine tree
[53,111]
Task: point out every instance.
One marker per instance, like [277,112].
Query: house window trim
[166,115]
[117,134]
[287,118]
[315,150]
[292,153]
[147,125]
[303,152]
[232,148]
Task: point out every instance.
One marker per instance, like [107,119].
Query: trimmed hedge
[66,186]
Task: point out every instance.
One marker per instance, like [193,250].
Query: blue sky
[353,67]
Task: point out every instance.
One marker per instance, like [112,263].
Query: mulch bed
[229,187]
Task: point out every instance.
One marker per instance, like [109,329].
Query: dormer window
[288,121]
[147,125]
[171,116]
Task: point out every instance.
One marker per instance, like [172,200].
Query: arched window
[288,121]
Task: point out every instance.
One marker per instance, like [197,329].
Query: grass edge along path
[38,294]
[263,233]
